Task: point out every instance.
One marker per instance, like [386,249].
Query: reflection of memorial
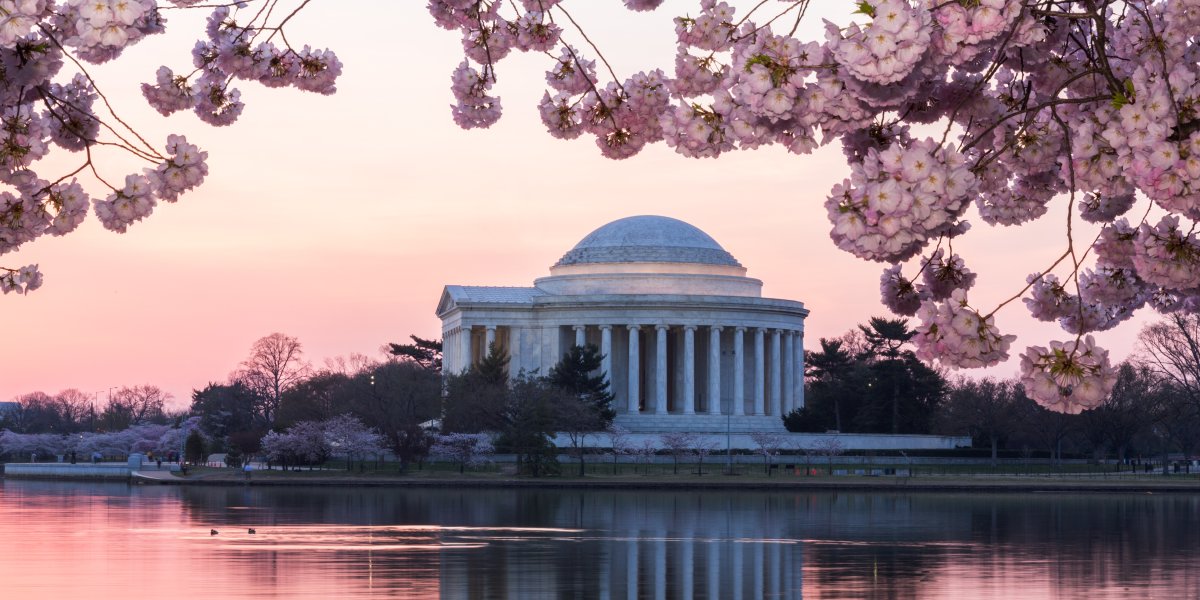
[639,564]
[651,545]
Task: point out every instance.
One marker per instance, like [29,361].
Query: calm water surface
[101,541]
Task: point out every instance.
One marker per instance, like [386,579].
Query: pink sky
[339,219]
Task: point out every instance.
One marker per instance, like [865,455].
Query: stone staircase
[652,423]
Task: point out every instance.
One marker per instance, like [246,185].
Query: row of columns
[787,359]
[779,395]
[457,351]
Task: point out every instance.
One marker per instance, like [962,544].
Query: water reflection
[117,541]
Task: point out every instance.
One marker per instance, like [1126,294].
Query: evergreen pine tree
[579,373]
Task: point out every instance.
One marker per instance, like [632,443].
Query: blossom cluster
[898,199]
[889,48]
[231,52]
[42,109]
[1068,376]
[957,335]
[184,169]
[25,279]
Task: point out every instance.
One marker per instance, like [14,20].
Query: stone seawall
[117,471]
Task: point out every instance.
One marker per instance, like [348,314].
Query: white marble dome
[648,238]
[649,255]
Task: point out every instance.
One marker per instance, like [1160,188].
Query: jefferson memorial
[689,343]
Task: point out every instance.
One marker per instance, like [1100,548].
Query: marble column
[660,369]
[634,370]
[760,372]
[776,373]
[689,370]
[714,371]
[739,371]
[489,338]
[579,337]
[606,354]
[789,372]
[798,391]
[467,350]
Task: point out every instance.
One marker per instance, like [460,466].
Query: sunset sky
[338,219]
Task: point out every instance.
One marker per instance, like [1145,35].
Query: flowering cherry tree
[946,111]
[313,442]
[466,449]
[347,435]
[50,102]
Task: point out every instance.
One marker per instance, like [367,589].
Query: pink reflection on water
[123,546]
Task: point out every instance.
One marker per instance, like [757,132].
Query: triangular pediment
[447,302]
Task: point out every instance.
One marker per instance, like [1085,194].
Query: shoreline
[714,483]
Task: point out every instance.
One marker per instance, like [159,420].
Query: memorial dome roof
[648,239]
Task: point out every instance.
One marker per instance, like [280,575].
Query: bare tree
[74,406]
[351,365]
[577,420]
[621,445]
[678,443]
[829,447]
[702,448]
[1133,404]
[1171,347]
[769,444]
[984,408]
[276,363]
[146,402]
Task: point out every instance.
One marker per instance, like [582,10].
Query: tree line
[279,406]
[869,381]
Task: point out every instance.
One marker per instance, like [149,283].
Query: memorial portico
[689,343]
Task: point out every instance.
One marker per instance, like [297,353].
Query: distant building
[689,343]
[8,407]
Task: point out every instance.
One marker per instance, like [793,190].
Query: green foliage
[397,398]
[493,368]
[877,387]
[234,458]
[246,442]
[320,397]
[426,353]
[531,419]
[477,400]
[226,409]
[837,382]
[579,374]
[194,447]
[806,420]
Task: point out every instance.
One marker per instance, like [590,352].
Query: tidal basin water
[113,541]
